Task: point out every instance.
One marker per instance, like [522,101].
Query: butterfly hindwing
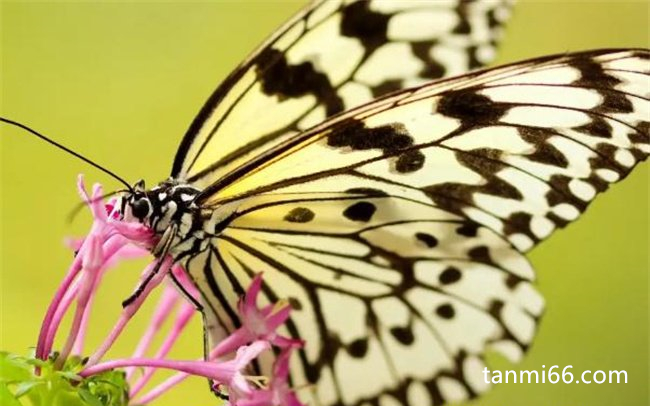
[332,56]
[379,283]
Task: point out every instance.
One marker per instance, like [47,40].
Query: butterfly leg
[160,251]
[218,392]
[194,301]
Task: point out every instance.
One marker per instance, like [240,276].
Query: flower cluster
[111,240]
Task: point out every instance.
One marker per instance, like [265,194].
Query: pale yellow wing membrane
[397,230]
[332,56]
[378,283]
[521,149]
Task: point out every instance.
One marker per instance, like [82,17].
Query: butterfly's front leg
[160,251]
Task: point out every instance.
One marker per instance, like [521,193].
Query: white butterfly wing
[332,56]
[397,229]
[521,149]
[397,300]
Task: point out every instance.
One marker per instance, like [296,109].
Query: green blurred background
[120,82]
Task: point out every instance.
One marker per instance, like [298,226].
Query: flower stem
[48,331]
[161,388]
[185,313]
[221,372]
[91,265]
[161,271]
[166,303]
[78,348]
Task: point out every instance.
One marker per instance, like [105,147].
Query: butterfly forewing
[332,56]
[520,149]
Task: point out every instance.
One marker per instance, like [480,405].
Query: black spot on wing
[467,230]
[483,161]
[358,348]
[544,152]
[392,139]
[470,107]
[606,159]
[592,74]
[558,221]
[493,21]
[642,134]
[480,254]
[367,191]
[389,138]
[386,87]
[428,240]
[512,281]
[615,103]
[519,222]
[299,215]
[284,80]
[368,26]
[360,211]
[446,311]
[463,26]
[449,275]
[597,127]
[432,68]
[410,161]
[403,335]
[294,303]
[560,192]
[472,56]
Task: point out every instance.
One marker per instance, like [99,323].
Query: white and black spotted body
[397,228]
[170,202]
[170,205]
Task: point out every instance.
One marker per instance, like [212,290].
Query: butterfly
[395,223]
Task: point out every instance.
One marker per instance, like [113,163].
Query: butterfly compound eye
[140,208]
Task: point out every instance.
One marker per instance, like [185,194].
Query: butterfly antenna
[68,150]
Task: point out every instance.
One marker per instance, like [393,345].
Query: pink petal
[281,367]
[93,255]
[246,354]
[250,299]
[278,318]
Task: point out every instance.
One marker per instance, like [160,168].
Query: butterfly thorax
[171,206]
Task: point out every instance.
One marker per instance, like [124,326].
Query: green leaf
[6,398]
[58,387]
[75,363]
[13,369]
[71,376]
[89,398]
[67,399]
[37,362]
[110,387]
[23,387]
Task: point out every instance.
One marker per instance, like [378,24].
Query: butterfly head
[138,204]
[170,201]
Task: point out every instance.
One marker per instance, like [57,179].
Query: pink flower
[228,373]
[257,324]
[279,393]
[102,245]
[111,240]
